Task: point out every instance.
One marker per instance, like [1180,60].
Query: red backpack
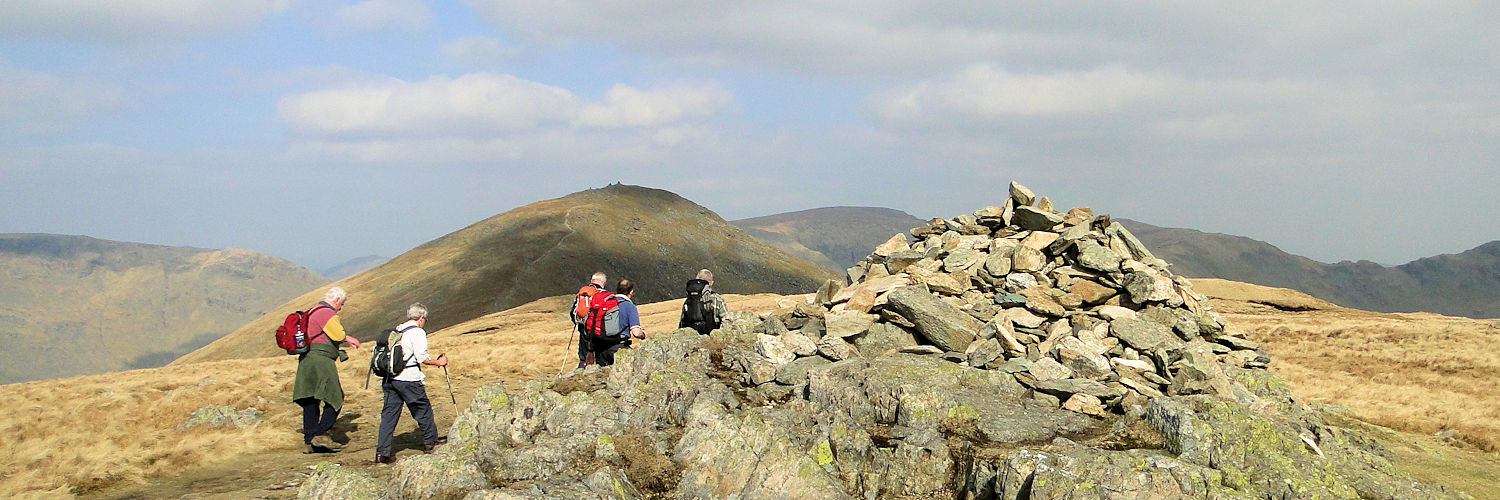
[603,319]
[292,334]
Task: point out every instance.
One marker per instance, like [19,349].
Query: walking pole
[367,377]
[450,384]
[567,350]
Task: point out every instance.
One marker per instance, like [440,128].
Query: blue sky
[1334,132]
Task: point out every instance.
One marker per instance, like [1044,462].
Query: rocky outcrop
[970,368]
[213,415]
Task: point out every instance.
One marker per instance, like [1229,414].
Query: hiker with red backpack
[704,309]
[401,380]
[580,313]
[612,322]
[317,383]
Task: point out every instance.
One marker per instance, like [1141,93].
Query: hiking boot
[433,445]
[384,459]
[326,443]
[310,449]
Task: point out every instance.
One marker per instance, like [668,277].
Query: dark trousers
[583,346]
[315,423]
[605,349]
[414,396]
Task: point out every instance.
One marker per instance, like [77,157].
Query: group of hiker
[605,322]
[608,321]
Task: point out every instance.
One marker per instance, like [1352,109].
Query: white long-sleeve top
[414,349]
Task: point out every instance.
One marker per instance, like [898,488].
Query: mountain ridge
[1461,284]
[833,237]
[548,248]
[133,305]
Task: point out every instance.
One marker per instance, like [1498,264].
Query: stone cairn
[1070,303]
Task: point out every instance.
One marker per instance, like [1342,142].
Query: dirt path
[279,472]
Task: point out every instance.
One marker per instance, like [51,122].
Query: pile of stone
[1069,302]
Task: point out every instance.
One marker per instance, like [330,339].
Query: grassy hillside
[1464,284]
[72,305]
[131,417]
[833,237]
[1417,372]
[545,249]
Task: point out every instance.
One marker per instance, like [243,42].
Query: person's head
[625,287]
[417,312]
[599,279]
[706,275]
[336,297]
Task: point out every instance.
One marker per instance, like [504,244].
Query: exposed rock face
[1011,386]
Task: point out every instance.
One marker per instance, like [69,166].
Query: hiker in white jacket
[406,387]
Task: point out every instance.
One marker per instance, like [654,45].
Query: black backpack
[695,313]
[383,362]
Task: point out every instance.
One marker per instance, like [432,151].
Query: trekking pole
[450,384]
[367,378]
[567,350]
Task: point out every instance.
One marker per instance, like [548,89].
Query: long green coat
[317,377]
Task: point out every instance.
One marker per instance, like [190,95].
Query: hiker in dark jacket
[630,326]
[317,376]
[704,309]
[406,387]
[581,310]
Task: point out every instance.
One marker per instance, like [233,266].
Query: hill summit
[1017,352]
[653,237]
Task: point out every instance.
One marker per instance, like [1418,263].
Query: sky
[321,131]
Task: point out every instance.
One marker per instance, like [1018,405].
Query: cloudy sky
[322,130]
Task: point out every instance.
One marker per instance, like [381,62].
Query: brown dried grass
[100,432]
[1416,372]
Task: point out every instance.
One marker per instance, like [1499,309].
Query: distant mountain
[545,249]
[1464,284]
[353,267]
[74,305]
[834,237]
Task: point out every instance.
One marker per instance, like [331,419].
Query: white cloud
[377,15]
[129,21]
[479,50]
[1130,105]
[625,106]
[39,102]
[902,38]
[486,115]
[476,105]
[985,92]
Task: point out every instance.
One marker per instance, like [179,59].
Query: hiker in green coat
[317,376]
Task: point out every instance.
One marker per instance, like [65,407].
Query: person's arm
[418,346]
[720,308]
[441,360]
[632,317]
[335,332]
